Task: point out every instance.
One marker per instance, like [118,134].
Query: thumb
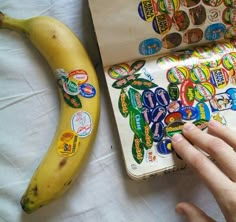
[192,213]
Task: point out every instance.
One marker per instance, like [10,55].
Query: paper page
[129,30]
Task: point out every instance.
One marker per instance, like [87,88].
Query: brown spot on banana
[62,163]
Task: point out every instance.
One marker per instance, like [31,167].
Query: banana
[79,107]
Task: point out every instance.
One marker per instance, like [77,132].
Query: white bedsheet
[28,119]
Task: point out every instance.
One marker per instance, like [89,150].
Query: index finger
[213,177]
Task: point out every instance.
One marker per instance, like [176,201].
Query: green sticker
[136,66]
[136,122]
[201,124]
[135,99]
[72,101]
[125,81]
[124,103]
[142,84]
[173,128]
[137,150]
[147,138]
[173,91]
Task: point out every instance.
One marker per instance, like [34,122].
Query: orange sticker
[68,143]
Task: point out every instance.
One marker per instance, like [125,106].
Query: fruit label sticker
[81,123]
[150,46]
[87,90]
[68,144]
[168,6]
[162,23]
[147,9]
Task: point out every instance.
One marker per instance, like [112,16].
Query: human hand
[219,177]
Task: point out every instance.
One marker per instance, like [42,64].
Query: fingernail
[177,137]
[188,126]
[214,123]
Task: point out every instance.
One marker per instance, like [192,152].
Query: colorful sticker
[213,3]
[173,117]
[117,71]
[201,124]
[124,81]
[204,91]
[124,104]
[232,93]
[166,62]
[136,66]
[189,112]
[171,40]
[173,91]
[157,131]
[173,128]
[197,15]
[229,16]
[174,106]
[158,114]
[229,61]
[162,96]
[187,93]
[164,147]
[177,75]
[147,138]
[168,6]
[181,20]
[230,32]
[203,111]
[219,78]
[81,123]
[136,122]
[221,101]
[142,84]
[214,15]
[162,24]
[200,74]
[193,36]
[150,46]
[147,9]
[219,118]
[137,150]
[87,90]
[147,115]
[222,48]
[68,144]
[149,98]
[135,99]
[215,31]
[72,101]
[230,3]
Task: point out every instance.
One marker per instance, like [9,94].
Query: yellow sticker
[68,143]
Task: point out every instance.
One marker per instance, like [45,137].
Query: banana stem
[10,23]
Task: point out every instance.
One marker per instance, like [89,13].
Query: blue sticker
[149,99]
[232,93]
[203,111]
[147,114]
[87,90]
[150,46]
[222,101]
[157,131]
[158,114]
[189,112]
[164,147]
[162,97]
[215,31]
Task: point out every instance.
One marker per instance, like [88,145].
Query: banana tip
[1,18]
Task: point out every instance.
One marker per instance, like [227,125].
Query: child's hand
[220,178]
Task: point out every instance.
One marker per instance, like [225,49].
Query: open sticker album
[166,62]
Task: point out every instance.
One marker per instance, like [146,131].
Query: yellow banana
[77,126]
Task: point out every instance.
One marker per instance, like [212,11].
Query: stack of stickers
[153,98]
[185,22]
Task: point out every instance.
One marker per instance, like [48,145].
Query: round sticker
[68,143]
[197,15]
[87,90]
[81,123]
[79,76]
[214,15]
[215,31]
[162,23]
[150,46]
[189,4]
[147,9]
[168,6]
[171,40]
[164,147]
[213,3]
[199,74]
[193,36]
[230,32]
[177,75]
[229,61]
[204,91]
[181,20]
[229,16]
[230,3]
[117,71]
